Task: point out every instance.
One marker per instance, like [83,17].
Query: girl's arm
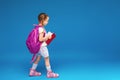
[42,38]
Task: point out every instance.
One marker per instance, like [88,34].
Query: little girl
[43,52]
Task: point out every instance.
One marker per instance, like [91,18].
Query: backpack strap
[36,25]
[33,58]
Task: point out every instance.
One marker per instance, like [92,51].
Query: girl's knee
[46,58]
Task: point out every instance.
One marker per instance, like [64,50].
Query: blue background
[87,45]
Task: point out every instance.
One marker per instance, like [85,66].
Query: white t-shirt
[41,30]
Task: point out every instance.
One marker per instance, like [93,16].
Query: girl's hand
[50,35]
[47,37]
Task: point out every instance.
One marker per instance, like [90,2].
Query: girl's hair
[42,17]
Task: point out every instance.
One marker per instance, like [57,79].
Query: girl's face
[45,22]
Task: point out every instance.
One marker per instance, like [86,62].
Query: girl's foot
[51,74]
[34,73]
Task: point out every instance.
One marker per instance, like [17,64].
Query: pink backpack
[32,42]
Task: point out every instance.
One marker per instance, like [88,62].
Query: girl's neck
[40,24]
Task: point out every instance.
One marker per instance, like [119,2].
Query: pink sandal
[34,73]
[51,74]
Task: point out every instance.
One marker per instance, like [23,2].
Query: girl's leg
[50,74]
[35,64]
[47,63]
[37,59]
[45,54]
[33,71]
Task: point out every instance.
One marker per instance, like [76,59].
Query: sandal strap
[37,73]
[34,73]
[52,75]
